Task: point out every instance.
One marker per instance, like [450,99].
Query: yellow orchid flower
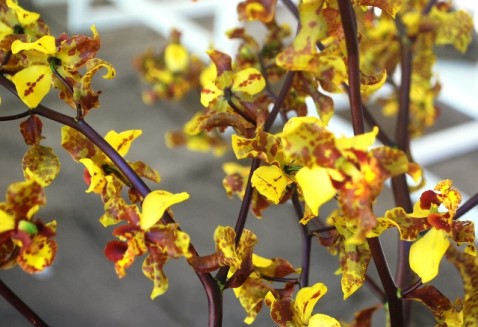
[47,56]
[144,233]
[156,203]
[34,82]
[427,252]
[176,58]
[242,84]
[289,312]
[440,226]
[101,175]
[26,241]
[16,20]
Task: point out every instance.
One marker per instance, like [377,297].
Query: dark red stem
[349,24]
[467,206]
[246,201]
[16,116]
[306,242]
[211,286]
[21,306]
[347,15]
[292,8]
[404,276]
[394,302]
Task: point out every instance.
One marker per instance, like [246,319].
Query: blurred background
[81,288]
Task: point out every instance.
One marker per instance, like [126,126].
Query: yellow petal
[371,83]
[209,93]
[97,176]
[360,142]
[39,254]
[208,75]
[306,299]
[453,28]
[270,299]
[7,222]
[256,10]
[301,54]
[93,29]
[176,58]
[33,84]
[41,164]
[153,269]
[24,17]
[427,252]
[276,267]
[225,238]
[270,181]
[316,187]
[121,142]
[156,203]
[295,123]
[5,30]
[249,81]
[259,261]
[135,247]
[321,320]
[46,44]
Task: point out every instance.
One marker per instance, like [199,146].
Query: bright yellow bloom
[24,17]
[102,175]
[298,312]
[440,227]
[34,82]
[145,233]
[248,81]
[271,182]
[221,84]
[427,252]
[156,203]
[25,241]
[101,166]
[18,20]
[176,58]
[316,187]
[47,55]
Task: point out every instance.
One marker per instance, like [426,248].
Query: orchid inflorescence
[340,46]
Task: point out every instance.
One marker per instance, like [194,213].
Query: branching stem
[16,116]
[412,288]
[247,199]
[210,285]
[350,31]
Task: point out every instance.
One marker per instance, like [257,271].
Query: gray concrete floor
[82,288]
